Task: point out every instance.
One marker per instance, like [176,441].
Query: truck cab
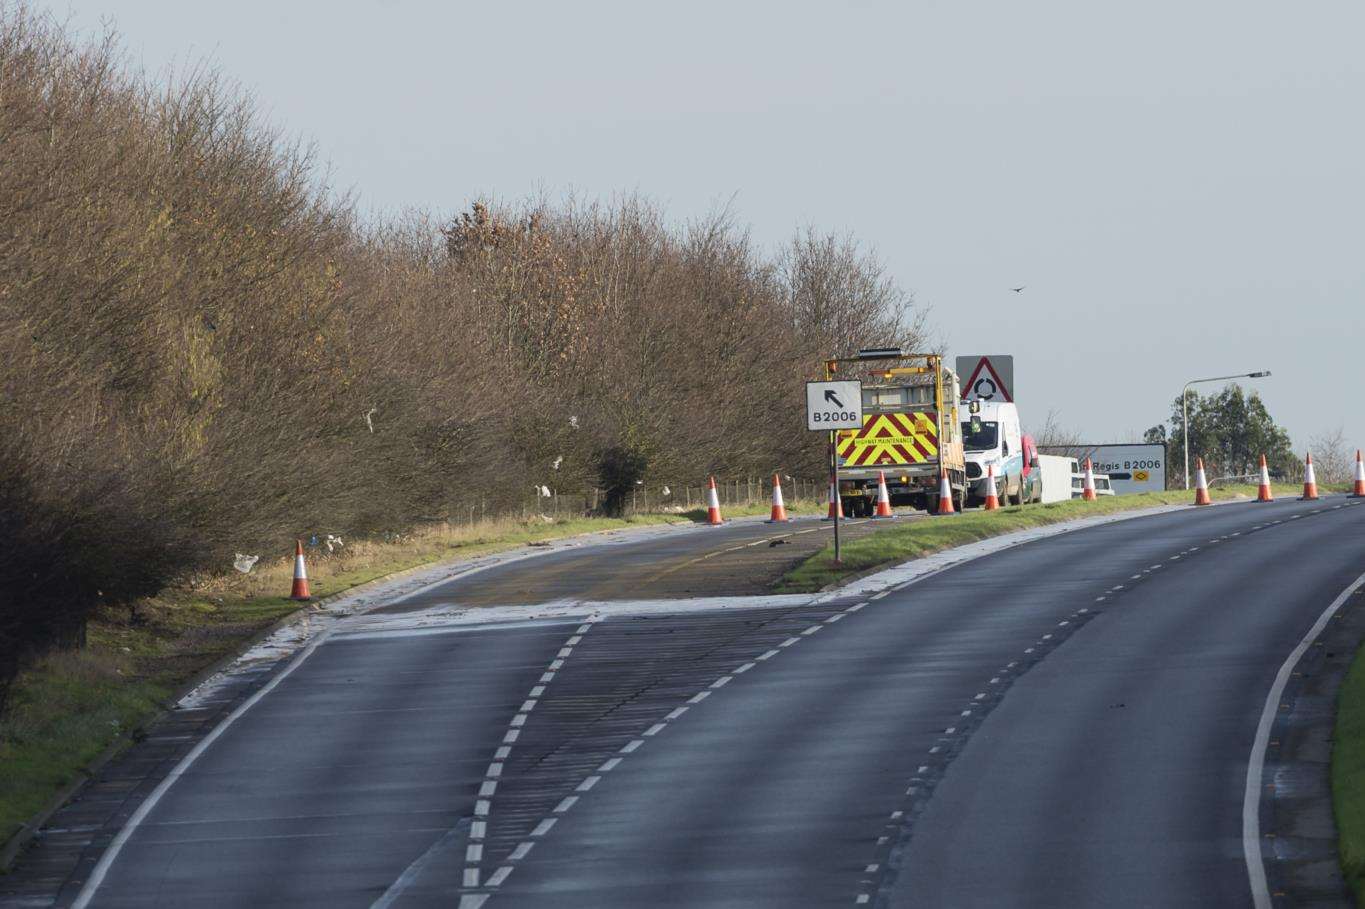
[993,440]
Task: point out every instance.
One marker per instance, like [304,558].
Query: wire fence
[645,498]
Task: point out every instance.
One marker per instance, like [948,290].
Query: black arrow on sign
[829,396]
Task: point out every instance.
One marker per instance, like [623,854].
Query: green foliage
[1230,430]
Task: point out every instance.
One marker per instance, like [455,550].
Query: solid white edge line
[101,868]
[1251,801]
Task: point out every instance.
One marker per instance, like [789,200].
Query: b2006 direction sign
[1131,468]
[834,405]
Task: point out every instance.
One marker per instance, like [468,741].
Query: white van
[992,438]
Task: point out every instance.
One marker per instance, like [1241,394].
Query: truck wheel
[1018,498]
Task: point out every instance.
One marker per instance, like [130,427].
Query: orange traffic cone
[1310,480]
[883,498]
[779,515]
[713,505]
[1088,489]
[300,591]
[1359,491]
[992,500]
[1263,494]
[945,494]
[1201,485]
[836,501]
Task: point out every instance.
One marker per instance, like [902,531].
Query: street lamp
[1185,410]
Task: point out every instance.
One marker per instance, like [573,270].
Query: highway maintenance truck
[911,432]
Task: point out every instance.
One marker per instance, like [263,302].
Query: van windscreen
[980,435]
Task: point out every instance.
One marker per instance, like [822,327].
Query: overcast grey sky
[1178,184]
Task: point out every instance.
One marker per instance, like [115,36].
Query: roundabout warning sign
[987,377]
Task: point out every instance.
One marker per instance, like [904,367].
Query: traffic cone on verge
[945,494]
[300,591]
[883,498]
[992,500]
[1359,490]
[779,515]
[1310,480]
[713,505]
[1088,488]
[1263,494]
[1201,485]
[836,502]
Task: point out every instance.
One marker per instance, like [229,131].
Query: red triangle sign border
[985,363]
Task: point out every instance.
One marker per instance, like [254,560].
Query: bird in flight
[1019,288]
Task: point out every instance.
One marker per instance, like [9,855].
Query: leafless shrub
[202,351]
[1333,458]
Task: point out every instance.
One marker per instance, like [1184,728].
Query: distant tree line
[203,350]
[1230,430]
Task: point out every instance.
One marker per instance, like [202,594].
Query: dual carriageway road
[1068,721]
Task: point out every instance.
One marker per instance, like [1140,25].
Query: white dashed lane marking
[473,900]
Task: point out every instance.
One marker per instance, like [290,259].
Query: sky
[1179,186]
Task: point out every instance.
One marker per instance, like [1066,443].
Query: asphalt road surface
[1067,722]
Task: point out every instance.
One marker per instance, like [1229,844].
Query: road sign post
[831,406]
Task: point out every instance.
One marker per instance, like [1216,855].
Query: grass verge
[70,707]
[1348,776]
[914,539]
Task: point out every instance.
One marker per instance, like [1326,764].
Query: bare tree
[1054,438]
[1333,460]
[203,350]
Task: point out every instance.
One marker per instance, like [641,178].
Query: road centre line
[1251,840]
[474,900]
[487,789]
